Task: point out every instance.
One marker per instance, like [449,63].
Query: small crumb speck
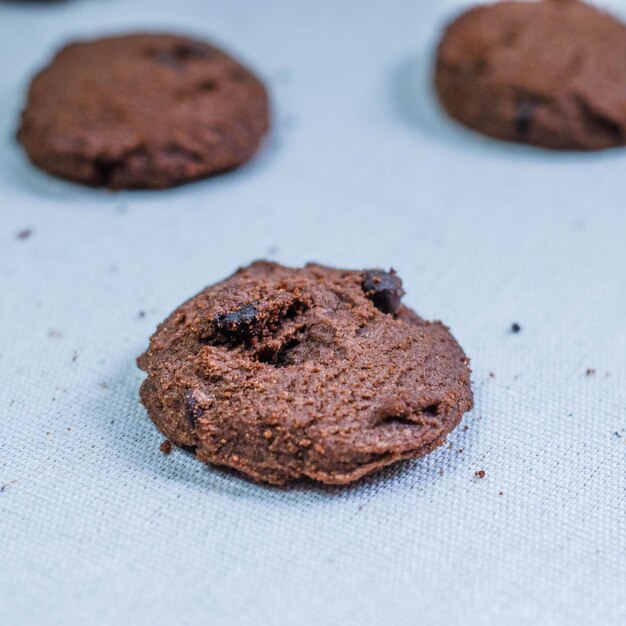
[515,327]
[479,473]
[590,371]
[166,447]
[142,314]
[492,375]
[25,234]
[55,333]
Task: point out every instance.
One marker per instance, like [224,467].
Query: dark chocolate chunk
[524,116]
[179,54]
[237,324]
[384,289]
[193,410]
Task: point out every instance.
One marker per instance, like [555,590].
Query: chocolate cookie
[142,111]
[282,373]
[549,73]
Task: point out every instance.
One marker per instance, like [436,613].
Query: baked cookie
[282,373]
[549,73]
[142,111]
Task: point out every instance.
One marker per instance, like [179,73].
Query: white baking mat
[97,526]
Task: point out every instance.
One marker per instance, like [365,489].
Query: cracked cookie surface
[549,73]
[316,372]
[142,111]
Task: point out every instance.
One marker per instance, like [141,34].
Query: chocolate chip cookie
[142,111]
[316,372]
[549,73]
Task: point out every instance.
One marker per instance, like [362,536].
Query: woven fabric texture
[98,527]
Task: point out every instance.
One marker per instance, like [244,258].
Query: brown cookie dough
[550,73]
[282,373]
[142,111]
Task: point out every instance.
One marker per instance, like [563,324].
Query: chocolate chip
[192,409]
[384,289]
[237,324]
[175,57]
[524,117]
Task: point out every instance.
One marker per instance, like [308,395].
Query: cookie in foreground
[549,73]
[142,111]
[316,372]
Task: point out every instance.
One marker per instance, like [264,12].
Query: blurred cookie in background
[142,111]
[550,73]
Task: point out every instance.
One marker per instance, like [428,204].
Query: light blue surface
[362,170]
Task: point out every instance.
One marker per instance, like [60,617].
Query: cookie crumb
[515,327]
[492,375]
[74,356]
[166,447]
[55,333]
[500,493]
[479,473]
[590,371]
[142,314]
[25,234]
